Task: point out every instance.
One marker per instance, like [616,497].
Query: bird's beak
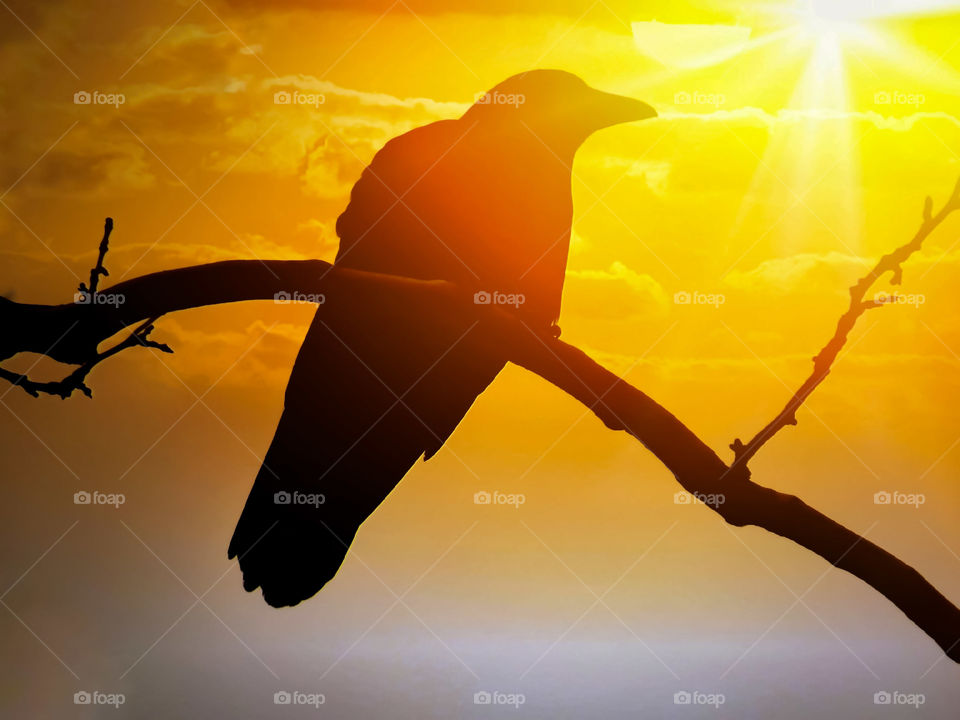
[609,109]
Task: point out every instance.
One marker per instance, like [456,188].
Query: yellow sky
[794,147]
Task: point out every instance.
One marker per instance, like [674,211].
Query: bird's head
[556,106]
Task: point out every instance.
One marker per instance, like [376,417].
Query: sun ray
[811,159]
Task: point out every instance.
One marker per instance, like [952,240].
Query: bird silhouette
[483,201]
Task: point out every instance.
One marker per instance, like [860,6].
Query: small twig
[823,362]
[99,269]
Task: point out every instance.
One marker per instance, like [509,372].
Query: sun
[839,11]
[843,53]
[831,27]
[819,71]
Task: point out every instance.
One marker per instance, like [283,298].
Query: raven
[483,201]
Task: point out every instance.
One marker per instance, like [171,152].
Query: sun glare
[840,11]
[829,25]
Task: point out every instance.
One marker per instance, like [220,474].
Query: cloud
[689,46]
[699,367]
[757,117]
[234,124]
[323,235]
[833,271]
[261,352]
[330,168]
[285,332]
[654,173]
[87,172]
[617,292]
[811,271]
[326,88]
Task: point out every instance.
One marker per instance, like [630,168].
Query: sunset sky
[795,144]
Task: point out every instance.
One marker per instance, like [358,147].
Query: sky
[795,145]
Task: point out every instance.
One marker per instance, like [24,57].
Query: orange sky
[785,160]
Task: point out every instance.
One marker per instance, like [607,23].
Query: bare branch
[139,337]
[86,296]
[823,362]
[67,332]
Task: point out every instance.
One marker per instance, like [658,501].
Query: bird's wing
[373,388]
[352,425]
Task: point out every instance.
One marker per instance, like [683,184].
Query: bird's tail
[309,499]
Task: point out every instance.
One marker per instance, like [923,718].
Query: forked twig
[87,294]
[823,362]
[64,388]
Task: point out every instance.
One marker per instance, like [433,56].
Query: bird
[483,201]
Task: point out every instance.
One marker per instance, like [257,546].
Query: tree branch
[71,333]
[140,337]
[823,362]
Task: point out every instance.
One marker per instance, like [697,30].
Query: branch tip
[892,263]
